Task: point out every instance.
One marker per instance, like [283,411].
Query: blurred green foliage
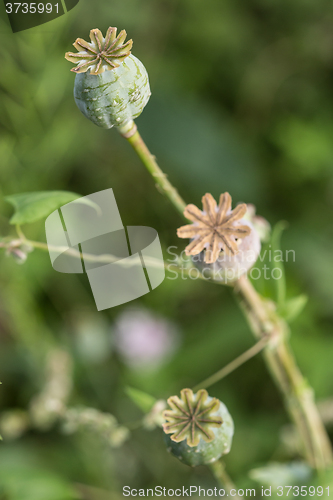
[242,101]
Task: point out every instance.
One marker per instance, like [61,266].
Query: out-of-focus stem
[105,258]
[298,395]
[236,363]
[223,479]
[263,321]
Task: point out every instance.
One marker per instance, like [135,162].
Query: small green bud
[116,89]
[18,250]
[198,428]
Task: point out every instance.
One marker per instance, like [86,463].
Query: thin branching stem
[104,258]
[233,365]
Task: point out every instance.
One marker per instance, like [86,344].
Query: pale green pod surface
[113,97]
[210,433]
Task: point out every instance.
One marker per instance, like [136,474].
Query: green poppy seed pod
[198,429]
[111,85]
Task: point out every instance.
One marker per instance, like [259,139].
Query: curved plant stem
[20,232]
[298,395]
[236,363]
[263,321]
[160,178]
[104,258]
[223,479]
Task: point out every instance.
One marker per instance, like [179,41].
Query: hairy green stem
[160,178]
[298,396]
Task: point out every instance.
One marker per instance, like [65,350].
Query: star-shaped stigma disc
[101,53]
[217,228]
[192,416]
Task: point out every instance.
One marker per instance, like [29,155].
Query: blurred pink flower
[144,340]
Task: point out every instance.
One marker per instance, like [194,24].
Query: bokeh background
[242,102]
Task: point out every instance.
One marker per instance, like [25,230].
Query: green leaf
[143,400]
[279,474]
[293,307]
[30,207]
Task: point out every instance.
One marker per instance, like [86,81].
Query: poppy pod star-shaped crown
[101,53]
[192,416]
[217,228]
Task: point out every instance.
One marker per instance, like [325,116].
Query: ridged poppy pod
[198,428]
[223,244]
[111,85]
[229,268]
